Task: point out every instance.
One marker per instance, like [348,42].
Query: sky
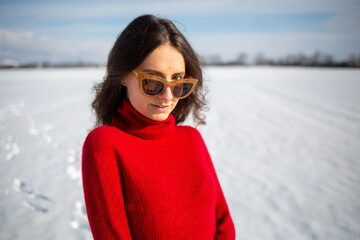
[85,30]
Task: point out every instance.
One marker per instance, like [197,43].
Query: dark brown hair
[143,35]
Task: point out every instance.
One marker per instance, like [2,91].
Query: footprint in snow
[79,219]
[40,131]
[33,200]
[73,170]
[12,108]
[11,148]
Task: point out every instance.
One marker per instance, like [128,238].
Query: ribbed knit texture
[146,179]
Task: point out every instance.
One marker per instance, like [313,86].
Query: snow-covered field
[285,143]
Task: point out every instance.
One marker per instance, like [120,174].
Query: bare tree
[242,58]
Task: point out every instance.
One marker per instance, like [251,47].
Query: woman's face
[166,62]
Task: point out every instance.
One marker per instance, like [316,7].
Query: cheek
[136,98]
[175,103]
[132,90]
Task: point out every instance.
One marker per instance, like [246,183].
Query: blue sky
[84,30]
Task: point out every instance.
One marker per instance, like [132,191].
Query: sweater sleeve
[103,189]
[225,229]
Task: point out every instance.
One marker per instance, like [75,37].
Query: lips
[161,108]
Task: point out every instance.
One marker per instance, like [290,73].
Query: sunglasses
[153,86]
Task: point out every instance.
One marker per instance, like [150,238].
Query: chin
[160,117]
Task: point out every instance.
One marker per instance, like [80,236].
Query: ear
[124,81]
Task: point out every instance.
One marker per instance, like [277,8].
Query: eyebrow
[155,72]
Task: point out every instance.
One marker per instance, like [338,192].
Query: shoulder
[99,149]
[193,139]
[100,134]
[190,132]
[100,146]
[102,138]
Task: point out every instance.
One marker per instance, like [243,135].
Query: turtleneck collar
[134,123]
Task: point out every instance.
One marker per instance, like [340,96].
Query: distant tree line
[317,59]
[46,64]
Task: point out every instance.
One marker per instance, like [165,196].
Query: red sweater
[146,179]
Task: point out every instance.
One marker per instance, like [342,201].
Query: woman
[144,176]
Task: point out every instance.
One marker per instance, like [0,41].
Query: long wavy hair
[143,35]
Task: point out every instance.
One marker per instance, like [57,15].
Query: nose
[167,95]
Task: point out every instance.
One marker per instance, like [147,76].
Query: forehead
[165,59]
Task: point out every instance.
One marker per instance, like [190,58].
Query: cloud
[67,30]
[13,37]
[104,9]
[275,45]
[345,22]
[293,6]
[75,11]
[27,47]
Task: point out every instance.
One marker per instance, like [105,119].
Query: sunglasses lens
[182,89]
[152,87]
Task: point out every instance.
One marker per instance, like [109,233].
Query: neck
[131,121]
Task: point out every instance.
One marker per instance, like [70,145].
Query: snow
[285,143]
